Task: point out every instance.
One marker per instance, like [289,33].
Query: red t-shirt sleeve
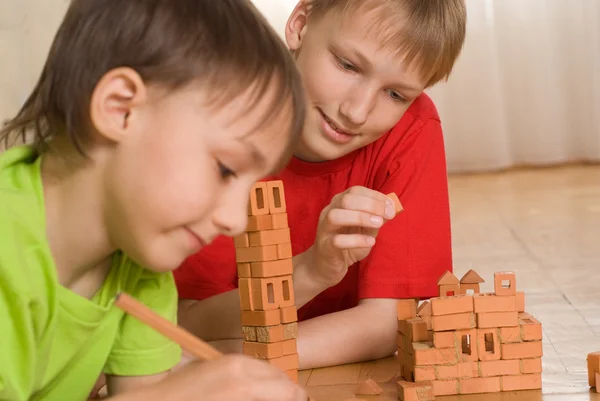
[414,249]
[209,272]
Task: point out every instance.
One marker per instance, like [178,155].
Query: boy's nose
[231,218]
[357,108]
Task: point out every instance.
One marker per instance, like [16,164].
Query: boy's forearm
[365,332]
[218,317]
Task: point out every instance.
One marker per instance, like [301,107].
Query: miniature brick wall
[264,265]
[469,343]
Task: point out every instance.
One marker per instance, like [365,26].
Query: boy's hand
[231,377]
[346,232]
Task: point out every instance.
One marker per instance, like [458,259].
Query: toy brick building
[264,266]
[466,342]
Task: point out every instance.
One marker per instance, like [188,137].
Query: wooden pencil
[184,338]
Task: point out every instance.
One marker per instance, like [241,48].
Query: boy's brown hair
[225,45]
[430,33]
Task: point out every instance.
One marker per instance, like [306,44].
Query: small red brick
[269,237]
[445,387]
[262,350]
[273,268]
[520,295]
[446,372]
[452,305]
[287,362]
[497,319]
[284,251]
[424,373]
[406,309]
[276,197]
[425,354]
[531,328]
[443,339]
[279,220]
[484,303]
[288,314]
[508,277]
[241,241]
[401,341]
[256,254]
[417,330]
[593,365]
[500,368]
[526,350]
[533,365]
[488,345]
[243,270]
[397,205]
[510,335]
[522,382]
[467,370]
[258,223]
[408,391]
[453,322]
[289,347]
[466,345]
[292,374]
[480,385]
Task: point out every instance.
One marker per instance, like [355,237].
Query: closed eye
[344,64]
[225,171]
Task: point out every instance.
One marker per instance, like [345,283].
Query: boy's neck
[75,226]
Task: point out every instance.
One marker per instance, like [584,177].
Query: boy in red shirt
[372,131]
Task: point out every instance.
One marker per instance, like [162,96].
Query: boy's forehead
[374,28]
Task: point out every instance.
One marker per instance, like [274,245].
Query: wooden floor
[545,226]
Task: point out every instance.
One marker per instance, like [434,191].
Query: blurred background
[525,91]
[521,118]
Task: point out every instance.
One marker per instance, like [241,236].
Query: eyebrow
[257,156]
[365,61]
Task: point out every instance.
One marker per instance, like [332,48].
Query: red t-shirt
[412,251]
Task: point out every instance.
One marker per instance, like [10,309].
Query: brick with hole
[505,283]
[259,204]
[488,345]
[466,345]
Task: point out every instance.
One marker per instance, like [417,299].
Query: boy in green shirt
[143,152]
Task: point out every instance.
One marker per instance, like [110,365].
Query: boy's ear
[296,26]
[114,100]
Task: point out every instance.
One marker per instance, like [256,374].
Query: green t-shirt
[54,343]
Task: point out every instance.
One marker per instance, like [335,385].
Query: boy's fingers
[384,208]
[353,241]
[354,218]
[358,190]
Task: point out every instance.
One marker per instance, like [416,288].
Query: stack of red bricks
[264,265]
[468,343]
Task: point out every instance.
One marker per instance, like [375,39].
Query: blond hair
[430,33]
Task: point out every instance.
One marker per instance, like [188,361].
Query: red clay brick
[484,303]
[446,372]
[479,385]
[401,340]
[520,301]
[262,350]
[452,305]
[243,270]
[522,350]
[418,330]
[522,382]
[289,347]
[276,197]
[531,328]
[501,277]
[406,309]
[466,345]
[397,205]
[533,365]
[510,335]
[279,220]
[241,241]
[284,251]
[453,322]
[272,268]
[443,339]
[256,254]
[593,365]
[497,319]
[424,373]
[287,362]
[425,354]
[408,391]
[258,223]
[467,370]
[292,374]
[488,345]
[500,368]
[288,314]
[269,237]
[445,387]
[424,309]
[261,318]
[259,203]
